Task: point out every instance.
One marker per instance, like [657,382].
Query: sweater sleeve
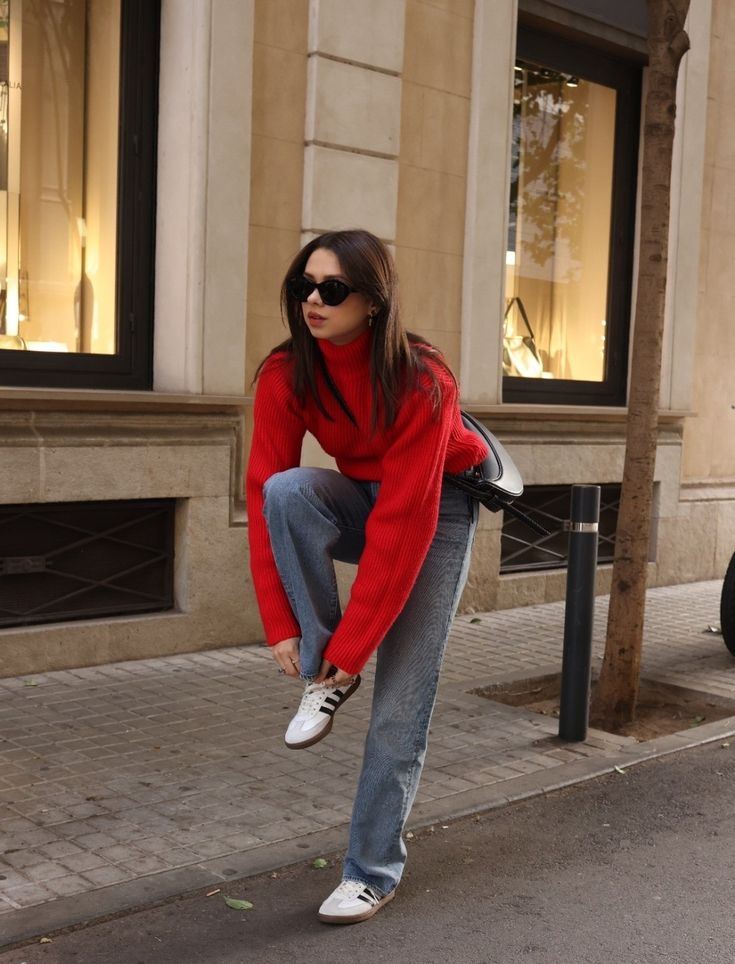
[276,446]
[400,527]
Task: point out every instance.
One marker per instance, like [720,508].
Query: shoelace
[349,890]
[313,696]
[315,693]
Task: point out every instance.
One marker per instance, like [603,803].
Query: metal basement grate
[522,551]
[82,560]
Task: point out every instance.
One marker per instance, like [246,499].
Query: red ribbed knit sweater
[408,459]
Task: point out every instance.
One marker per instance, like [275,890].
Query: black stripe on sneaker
[368,896]
[326,709]
[331,700]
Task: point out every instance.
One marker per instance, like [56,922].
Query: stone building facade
[494,144]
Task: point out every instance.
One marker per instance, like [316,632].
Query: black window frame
[131,367]
[625,76]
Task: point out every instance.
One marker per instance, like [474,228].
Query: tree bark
[617,689]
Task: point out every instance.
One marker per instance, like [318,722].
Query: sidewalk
[125,784]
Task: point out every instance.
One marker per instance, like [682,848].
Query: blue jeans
[315,516]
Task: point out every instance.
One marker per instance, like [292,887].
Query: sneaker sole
[330,720]
[356,918]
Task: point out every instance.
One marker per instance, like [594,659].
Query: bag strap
[494,500]
[512,509]
[516,300]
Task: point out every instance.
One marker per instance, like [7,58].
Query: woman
[384,403]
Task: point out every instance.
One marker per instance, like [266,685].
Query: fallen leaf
[696,721]
[724,745]
[320,863]
[476,619]
[274,876]
[238,904]
[409,835]
[30,682]
[45,940]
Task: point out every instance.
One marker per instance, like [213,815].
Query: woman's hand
[336,678]
[286,654]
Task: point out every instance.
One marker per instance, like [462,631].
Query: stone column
[688,178]
[353,116]
[486,221]
[203,194]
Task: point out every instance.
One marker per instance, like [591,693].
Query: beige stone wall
[435,92]
[69,456]
[432,183]
[709,438]
[279,111]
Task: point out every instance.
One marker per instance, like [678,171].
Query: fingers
[286,654]
[332,675]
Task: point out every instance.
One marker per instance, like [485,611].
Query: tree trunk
[617,689]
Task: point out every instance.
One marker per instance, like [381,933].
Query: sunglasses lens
[333,292]
[300,288]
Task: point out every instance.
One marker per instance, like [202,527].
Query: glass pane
[559,236]
[59,86]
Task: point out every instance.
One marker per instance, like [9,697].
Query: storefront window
[572,187]
[559,239]
[78,102]
[58,156]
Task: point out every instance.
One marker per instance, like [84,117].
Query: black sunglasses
[331,292]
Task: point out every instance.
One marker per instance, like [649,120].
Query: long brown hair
[397,357]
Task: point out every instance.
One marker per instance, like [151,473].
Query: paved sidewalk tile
[112,773]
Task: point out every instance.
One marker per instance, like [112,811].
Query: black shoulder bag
[495,482]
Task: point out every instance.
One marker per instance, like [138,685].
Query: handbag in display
[520,355]
[495,482]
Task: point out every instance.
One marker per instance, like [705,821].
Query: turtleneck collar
[354,353]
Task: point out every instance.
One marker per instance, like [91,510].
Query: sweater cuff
[278,630]
[348,658]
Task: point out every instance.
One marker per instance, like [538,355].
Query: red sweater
[408,459]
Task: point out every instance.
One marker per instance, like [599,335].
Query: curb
[116,900]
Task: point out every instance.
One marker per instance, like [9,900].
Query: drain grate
[550,505]
[82,560]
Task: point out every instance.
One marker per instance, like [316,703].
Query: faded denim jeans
[315,516]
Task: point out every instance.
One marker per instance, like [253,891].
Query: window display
[59,119]
[559,236]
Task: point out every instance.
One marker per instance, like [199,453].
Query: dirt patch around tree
[662,708]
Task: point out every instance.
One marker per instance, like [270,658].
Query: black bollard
[576,667]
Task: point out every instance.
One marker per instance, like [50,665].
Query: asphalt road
[632,868]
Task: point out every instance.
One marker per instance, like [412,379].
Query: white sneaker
[352,902]
[316,713]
